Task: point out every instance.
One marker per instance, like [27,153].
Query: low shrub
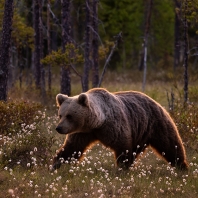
[186,118]
[24,137]
[14,114]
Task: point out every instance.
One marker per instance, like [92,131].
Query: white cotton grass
[95,176]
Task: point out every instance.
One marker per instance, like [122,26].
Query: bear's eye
[69,117]
[60,116]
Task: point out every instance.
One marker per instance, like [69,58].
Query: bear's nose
[58,129]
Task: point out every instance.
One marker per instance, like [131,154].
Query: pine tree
[49,45]
[185,53]
[66,32]
[146,34]
[95,66]
[177,35]
[86,48]
[5,47]
[37,43]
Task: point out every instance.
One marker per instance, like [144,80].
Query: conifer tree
[185,53]
[37,43]
[86,48]
[95,65]
[66,32]
[5,48]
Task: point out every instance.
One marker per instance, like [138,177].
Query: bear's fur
[127,122]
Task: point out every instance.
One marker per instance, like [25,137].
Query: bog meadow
[29,142]
[49,47]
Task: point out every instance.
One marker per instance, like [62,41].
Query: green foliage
[162,30]
[191,12]
[129,17]
[22,34]
[71,56]
[126,17]
[105,49]
[189,9]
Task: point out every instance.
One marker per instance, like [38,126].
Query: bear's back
[139,102]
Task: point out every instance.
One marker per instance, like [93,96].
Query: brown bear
[127,122]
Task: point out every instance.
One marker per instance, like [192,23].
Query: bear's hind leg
[124,158]
[171,149]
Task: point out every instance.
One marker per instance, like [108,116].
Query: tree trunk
[37,44]
[87,48]
[118,39]
[95,69]
[66,32]
[145,62]
[43,92]
[147,27]
[185,54]
[5,47]
[49,47]
[177,37]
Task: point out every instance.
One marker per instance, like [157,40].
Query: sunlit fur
[127,122]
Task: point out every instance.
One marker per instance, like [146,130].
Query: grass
[27,148]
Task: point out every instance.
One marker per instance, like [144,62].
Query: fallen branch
[118,38]
[72,66]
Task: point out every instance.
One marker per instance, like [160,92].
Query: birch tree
[146,34]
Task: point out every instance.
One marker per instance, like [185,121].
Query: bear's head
[78,114]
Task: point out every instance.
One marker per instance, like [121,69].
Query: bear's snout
[59,129]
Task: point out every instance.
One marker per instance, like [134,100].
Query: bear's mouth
[60,130]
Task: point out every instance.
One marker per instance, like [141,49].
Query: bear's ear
[60,98]
[83,99]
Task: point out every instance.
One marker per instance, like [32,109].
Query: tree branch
[118,38]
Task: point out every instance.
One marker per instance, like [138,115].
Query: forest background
[54,46]
[78,36]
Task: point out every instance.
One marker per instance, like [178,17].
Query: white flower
[162,191]
[11,191]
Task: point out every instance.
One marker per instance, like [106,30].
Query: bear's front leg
[74,147]
[58,160]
